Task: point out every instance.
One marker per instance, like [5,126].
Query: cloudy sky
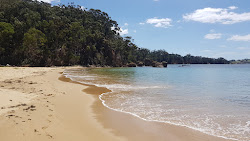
[210,28]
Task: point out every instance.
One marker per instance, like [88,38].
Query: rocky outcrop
[140,64]
[157,64]
[131,64]
[165,64]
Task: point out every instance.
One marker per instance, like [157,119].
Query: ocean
[213,99]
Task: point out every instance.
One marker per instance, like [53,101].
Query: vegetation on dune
[35,33]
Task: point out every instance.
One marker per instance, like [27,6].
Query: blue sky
[209,28]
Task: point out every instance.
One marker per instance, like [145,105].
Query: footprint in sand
[10,116]
[49,136]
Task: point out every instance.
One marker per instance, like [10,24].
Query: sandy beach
[40,104]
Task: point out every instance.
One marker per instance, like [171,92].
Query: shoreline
[168,123]
[104,112]
[62,109]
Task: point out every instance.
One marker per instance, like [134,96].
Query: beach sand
[39,104]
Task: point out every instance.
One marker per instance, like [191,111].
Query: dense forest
[35,33]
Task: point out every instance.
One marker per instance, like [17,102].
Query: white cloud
[213,36]
[232,7]
[165,23]
[156,0]
[123,31]
[126,24]
[82,7]
[240,38]
[134,31]
[49,1]
[217,15]
[141,23]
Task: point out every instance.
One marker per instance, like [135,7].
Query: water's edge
[135,115]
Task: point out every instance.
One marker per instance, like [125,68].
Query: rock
[157,64]
[131,65]
[140,64]
[165,64]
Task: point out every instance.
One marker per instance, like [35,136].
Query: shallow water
[214,99]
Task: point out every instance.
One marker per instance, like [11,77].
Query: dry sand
[37,106]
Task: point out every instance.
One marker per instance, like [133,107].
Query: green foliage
[33,46]
[6,32]
[37,34]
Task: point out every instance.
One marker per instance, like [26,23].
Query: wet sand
[53,107]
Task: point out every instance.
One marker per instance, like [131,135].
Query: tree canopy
[35,33]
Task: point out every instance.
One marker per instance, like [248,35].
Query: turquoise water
[214,99]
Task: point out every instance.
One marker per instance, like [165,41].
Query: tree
[6,36]
[33,46]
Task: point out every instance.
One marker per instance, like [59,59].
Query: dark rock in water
[140,64]
[132,65]
[184,65]
[157,64]
[165,64]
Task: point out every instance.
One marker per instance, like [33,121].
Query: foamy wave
[162,121]
[128,87]
[81,77]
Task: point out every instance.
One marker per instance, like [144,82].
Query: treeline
[243,61]
[35,33]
